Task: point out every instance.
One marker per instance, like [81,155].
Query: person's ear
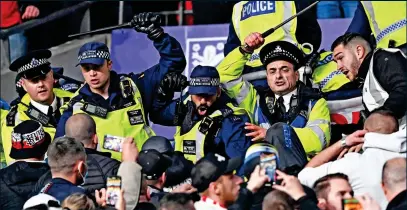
[297,75]
[109,64]
[95,139]
[322,203]
[383,188]
[82,167]
[360,51]
[217,188]
[219,91]
[163,178]
[51,74]
[23,85]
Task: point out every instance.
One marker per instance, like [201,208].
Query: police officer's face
[40,88]
[347,60]
[281,77]
[203,102]
[96,76]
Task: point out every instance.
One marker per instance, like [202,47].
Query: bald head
[82,128]
[381,122]
[394,174]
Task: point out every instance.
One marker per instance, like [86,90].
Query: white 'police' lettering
[254,8]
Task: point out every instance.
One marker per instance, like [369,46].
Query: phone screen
[351,204]
[114,184]
[113,143]
[269,162]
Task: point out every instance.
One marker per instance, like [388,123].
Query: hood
[21,176]
[395,142]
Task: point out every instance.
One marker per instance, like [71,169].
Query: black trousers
[292,157]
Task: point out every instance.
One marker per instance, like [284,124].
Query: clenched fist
[148,23]
[253,41]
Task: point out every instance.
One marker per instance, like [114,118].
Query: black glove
[171,83]
[149,24]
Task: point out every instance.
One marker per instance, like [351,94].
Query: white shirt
[208,204]
[287,98]
[364,170]
[44,108]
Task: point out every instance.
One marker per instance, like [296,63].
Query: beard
[202,110]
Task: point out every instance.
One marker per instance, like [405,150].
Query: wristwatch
[343,142]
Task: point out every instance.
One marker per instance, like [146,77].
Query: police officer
[120,103]
[4,107]
[385,19]
[208,121]
[41,102]
[249,16]
[60,83]
[296,117]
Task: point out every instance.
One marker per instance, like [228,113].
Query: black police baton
[271,30]
[125,25]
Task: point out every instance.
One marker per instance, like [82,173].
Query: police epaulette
[226,111]
[235,118]
[65,100]
[11,116]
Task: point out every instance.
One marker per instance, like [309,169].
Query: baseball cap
[93,53]
[178,173]
[159,143]
[29,140]
[209,168]
[253,153]
[42,201]
[32,64]
[153,163]
[282,50]
[204,80]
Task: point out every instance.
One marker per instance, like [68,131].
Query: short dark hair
[322,185]
[391,123]
[175,201]
[63,153]
[346,39]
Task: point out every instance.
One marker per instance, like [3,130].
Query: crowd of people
[258,131]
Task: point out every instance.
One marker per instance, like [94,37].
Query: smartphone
[351,204]
[269,162]
[113,143]
[114,185]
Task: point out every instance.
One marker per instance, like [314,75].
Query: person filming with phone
[262,159]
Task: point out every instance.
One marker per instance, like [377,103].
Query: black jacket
[17,181]
[100,166]
[248,200]
[399,202]
[390,71]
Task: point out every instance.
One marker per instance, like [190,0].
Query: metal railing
[36,22]
[5,33]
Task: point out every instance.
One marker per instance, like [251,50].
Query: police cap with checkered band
[282,50]
[93,53]
[204,80]
[32,64]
